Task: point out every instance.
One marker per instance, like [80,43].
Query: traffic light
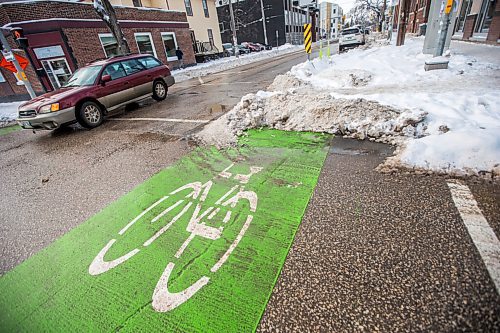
[18,35]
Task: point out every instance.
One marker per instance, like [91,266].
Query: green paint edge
[282,259]
[264,307]
[9,129]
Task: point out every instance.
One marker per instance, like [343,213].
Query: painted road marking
[196,248]
[172,120]
[482,235]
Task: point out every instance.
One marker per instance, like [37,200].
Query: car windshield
[85,76]
[350,32]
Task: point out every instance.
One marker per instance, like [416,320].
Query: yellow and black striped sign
[307,37]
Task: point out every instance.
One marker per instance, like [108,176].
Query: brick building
[66,35]
[417,16]
[478,20]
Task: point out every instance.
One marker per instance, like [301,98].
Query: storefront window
[109,44]
[464,11]
[486,16]
[145,43]
[57,70]
[170,44]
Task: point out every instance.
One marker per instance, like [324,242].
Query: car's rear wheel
[159,90]
[90,115]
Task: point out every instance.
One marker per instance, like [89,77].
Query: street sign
[9,56]
[307,37]
[449,6]
[21,76]
[5,63]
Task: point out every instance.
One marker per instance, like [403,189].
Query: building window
[145,43]
[109,45]
[170,45]
[485,16]
[189,9]
[137,3]
[57,70]
[210,36]
[2,79]
[205,8]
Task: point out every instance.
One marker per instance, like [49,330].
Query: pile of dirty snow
[299,110]
[444,121]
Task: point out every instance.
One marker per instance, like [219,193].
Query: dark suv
[96,89]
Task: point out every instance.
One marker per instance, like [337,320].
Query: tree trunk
[383,16]
[113,25]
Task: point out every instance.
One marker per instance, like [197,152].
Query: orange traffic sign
[23,62]
[449,6]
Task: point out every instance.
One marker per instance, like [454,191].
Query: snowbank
[8,112]
[230,62]
[444,121]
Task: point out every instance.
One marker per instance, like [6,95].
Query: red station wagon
[96,89]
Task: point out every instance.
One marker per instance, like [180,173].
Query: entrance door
[57,70]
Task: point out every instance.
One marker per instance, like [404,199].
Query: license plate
[26,124]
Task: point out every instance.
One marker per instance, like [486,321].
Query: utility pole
[289,5]
[20,71]
[233,29]
[445,20]
[263,20]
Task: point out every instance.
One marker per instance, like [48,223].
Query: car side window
[132,66]
[115,70]
[149,62]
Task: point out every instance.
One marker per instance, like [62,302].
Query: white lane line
[164,120]
[480,231]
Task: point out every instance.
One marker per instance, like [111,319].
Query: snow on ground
[8,112]
[230,62]
[444,121]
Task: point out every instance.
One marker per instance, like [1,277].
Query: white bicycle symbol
[162,299]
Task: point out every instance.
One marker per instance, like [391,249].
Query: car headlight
[49,108]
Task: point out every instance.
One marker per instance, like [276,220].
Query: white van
[351,37]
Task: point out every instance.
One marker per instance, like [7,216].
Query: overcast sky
[345,4]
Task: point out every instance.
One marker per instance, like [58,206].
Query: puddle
[348,151]
[217,108]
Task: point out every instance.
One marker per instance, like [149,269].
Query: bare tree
[369,12]
[107,13]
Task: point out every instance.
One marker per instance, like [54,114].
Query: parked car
[253,47]
[229,50]
[264,47]
[351,37]
[96,89]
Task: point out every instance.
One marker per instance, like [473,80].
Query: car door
[116,91]
[138,77]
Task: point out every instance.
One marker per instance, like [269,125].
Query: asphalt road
[386,253]
[53,181]
[374,252]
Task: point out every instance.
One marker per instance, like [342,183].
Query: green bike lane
[197,247]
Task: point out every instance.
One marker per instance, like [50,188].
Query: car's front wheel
[159,90]
[90,115]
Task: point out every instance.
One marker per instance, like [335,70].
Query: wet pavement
[374,252]
[53,181]
[380,252]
